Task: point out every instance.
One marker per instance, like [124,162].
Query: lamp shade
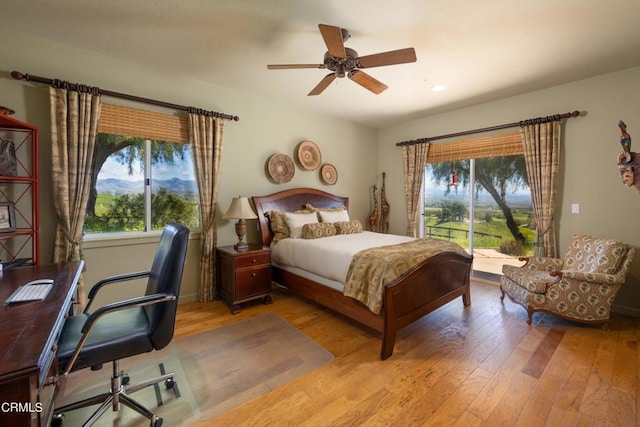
[240,209]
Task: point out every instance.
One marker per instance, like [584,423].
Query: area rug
[216,371]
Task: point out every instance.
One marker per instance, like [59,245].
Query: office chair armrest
[123,305]
[110,280]
[110,308]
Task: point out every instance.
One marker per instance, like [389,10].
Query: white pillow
[334,216]
[295,222]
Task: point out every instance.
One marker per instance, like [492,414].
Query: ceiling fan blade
[324,83]
[333,39]
[400,56]
[367,82]
[294,66]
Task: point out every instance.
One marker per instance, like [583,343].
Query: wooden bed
[431,284]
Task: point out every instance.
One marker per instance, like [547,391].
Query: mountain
[436,195]
[120,186]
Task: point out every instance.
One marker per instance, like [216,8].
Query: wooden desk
[28,342]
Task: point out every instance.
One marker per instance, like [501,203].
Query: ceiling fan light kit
[345,62]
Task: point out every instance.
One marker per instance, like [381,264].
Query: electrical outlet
[575,208]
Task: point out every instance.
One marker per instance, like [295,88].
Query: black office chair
[126,328]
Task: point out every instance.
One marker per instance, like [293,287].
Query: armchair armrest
[595,278]
[543,263]
[110,280]
[110,308]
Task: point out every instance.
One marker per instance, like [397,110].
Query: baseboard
[187,298]
[484,277]
[625,310]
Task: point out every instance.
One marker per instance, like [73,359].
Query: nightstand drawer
[253,259]
[253,282]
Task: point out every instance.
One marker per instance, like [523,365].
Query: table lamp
[240,209]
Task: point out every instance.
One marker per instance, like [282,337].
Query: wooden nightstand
[243,276]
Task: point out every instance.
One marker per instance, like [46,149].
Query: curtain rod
[21,76]
[505,126]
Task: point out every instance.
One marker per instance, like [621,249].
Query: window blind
[504,144]
[119,120]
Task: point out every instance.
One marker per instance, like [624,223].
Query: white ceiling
[480,49]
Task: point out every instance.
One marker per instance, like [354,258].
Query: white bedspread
[330,257]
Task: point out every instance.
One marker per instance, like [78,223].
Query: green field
[492,234]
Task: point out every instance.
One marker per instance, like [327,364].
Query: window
[142,175]
[476,194]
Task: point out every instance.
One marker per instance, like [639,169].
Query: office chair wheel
[169,384]
[125,379]
[158,422]
[56,420]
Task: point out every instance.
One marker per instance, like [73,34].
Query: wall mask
[628,161]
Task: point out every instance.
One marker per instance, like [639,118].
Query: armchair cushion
[532,280]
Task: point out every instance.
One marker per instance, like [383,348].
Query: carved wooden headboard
[289,201]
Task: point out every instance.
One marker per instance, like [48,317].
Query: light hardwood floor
[480,366]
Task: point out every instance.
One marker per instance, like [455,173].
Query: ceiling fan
[343,61]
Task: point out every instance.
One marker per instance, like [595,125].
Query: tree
[128,151]
[167,207]
[126,213]
[496,175]
[455,211]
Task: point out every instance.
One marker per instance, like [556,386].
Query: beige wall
[590,146]
[266,127]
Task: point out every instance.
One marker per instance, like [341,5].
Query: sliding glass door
[485,206]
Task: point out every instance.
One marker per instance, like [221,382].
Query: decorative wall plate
[309,155]
[280,168]
[328,174]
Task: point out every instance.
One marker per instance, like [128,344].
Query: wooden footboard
[431,284]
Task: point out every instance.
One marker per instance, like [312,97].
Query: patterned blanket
[373,268]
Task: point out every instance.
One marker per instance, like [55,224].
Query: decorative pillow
[295,222]
[348,227]
[318,230]
[279,226]
[334,216]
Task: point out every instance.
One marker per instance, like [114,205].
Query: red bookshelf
[20,233]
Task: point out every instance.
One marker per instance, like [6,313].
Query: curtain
[541,151]
[414,159]
[74,126]
[205,137]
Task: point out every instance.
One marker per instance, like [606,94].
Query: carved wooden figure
[373,217]
[384,208]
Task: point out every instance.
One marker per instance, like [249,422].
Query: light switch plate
[575,208]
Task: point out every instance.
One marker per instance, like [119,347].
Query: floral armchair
[580,287]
